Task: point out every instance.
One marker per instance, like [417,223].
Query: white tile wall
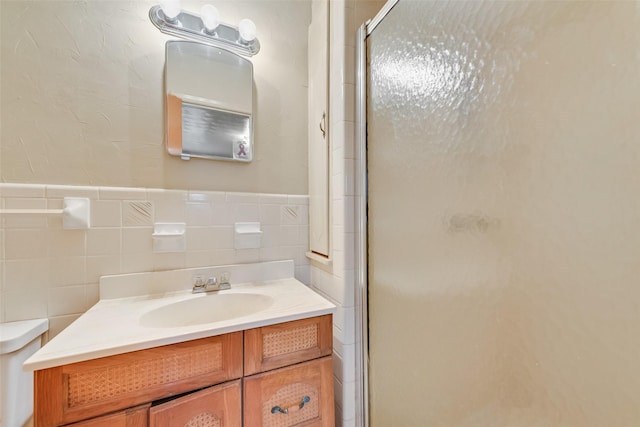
[339,285]
[46,271]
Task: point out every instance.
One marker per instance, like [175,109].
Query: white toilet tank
[18,341]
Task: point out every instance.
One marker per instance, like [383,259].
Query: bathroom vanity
[119,365]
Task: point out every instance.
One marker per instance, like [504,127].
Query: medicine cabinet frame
[209,102]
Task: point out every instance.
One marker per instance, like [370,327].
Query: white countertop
[113,326]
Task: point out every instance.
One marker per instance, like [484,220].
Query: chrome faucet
[211,285]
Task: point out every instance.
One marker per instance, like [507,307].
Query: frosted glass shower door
[504,214]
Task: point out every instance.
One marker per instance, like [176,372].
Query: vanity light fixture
[170,9]
[210,18]
[247,30]
[205,28]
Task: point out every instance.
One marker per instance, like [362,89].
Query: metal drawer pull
[277,409]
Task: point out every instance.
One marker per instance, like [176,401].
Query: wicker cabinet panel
[293,396]
[132,417]
[284,344]
[87,389]
[217,406]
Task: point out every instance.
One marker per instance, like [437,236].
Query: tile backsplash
[47,271]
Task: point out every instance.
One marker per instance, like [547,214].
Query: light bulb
[210,17]
[247,30]
[170,8]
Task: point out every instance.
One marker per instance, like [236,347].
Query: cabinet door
[300,395]
[319,168]
[216,406]
[284,344]
[78,391]
[133,417]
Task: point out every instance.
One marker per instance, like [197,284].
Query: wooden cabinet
[212,407]
[84,390]
[294,396]
[199,383]
[284,344]
[132,417]
[297,393]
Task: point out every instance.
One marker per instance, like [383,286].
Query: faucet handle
[224,278]
[224,281]
[198,284]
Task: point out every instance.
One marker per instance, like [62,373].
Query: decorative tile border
[69,263]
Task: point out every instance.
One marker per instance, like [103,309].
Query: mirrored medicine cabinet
[209,99]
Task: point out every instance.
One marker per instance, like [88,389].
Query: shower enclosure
[502,260]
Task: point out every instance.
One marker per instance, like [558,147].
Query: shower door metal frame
[361,291]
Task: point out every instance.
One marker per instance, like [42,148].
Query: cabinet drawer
[83,390]
[215,406]
[133,417]
[284,344]
[293,396]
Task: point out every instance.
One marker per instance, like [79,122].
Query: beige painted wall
[365,10]
[82,97]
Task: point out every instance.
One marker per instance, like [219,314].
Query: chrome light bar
[190,26]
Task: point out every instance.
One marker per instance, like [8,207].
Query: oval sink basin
[205,309]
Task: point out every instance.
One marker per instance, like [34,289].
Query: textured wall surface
[504,214]
[82,97]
